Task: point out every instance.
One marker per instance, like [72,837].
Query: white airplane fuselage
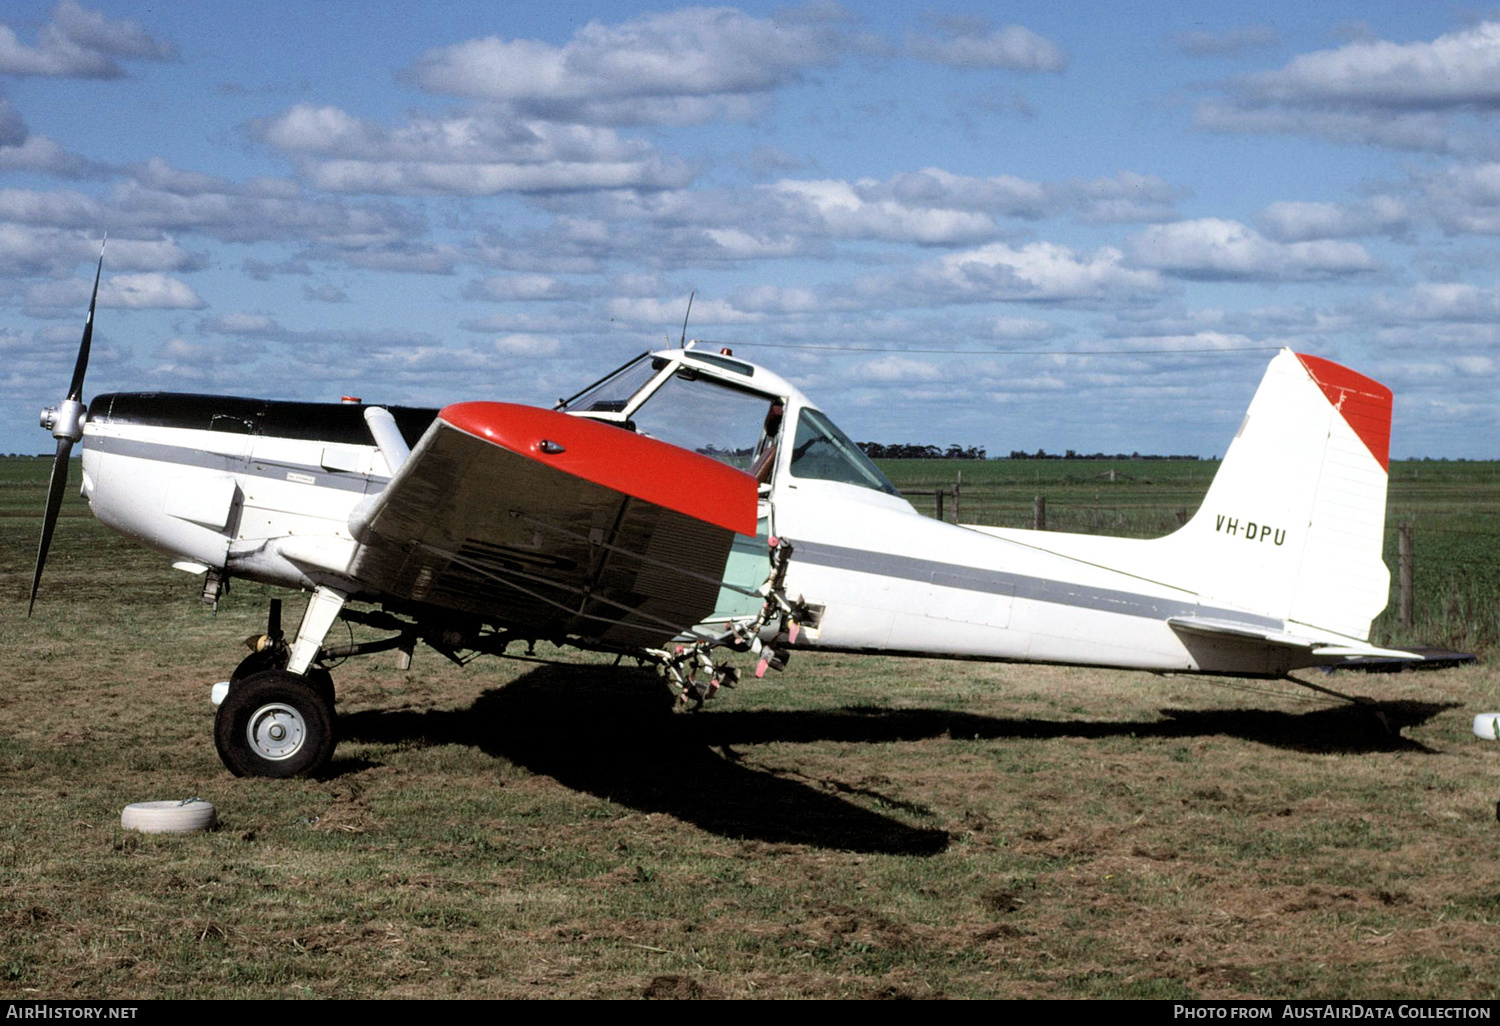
[249,502]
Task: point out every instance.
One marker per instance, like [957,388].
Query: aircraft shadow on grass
[612,732]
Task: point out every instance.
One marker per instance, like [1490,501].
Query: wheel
[275,724]
[319,679]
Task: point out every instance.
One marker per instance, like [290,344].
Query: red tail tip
[1364,403]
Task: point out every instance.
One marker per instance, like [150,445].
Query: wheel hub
[276,731]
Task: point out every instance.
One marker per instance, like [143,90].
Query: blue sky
[1048,225]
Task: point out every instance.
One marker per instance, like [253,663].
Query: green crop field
[854,827]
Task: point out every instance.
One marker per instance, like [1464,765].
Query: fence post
[1405,560]
[938,495]
[957,519]
[1039,513]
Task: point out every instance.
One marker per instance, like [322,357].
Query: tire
[275,724]
[258,662]
[319,679]
[183,817]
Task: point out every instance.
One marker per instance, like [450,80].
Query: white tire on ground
[182,817]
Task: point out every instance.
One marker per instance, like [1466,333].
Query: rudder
[1293,524]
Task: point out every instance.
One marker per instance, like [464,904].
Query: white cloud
[1022,329]
[324,294]
[408,258]
[1127,198]
[163,198]
[1458,70]
[466,139]
[22,151]
[844,212]
[79,43]
[526,345]
[777,299]
[1298,222]
[936,207]
[527,287]
[688,65]
[128,291]
[974,44]
[736,244]
[26,250]
[1423,131]
[1465,198]
[1038,271]
[41,155]
[466,155]
[148,291]
[393,178]
[1001,195]
[240,323]
[1211,249]
[1451,301]
[897,369]
[661,313]
[1414,96]
[1477,366]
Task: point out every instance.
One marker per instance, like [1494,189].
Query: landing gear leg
[322,610]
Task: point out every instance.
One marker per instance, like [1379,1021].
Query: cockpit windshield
[691,409]
[824,453]
[707,416]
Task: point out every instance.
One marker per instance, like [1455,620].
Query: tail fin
[1293,525]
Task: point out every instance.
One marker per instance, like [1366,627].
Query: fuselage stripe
[183,456]
[997,582]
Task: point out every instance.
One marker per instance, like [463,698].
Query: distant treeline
[1043,454]
[909,451]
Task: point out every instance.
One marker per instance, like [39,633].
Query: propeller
[65,421]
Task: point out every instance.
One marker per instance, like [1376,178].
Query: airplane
[690,506]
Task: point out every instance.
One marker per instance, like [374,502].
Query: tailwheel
[276,724]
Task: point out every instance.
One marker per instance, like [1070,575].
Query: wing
[555,525]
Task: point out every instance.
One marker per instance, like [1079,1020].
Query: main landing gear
[278,718]
[274,724]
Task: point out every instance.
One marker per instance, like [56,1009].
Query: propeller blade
[66,424]
[55,489]
[75,390]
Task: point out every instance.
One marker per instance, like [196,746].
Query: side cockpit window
[612,393]
[824,453]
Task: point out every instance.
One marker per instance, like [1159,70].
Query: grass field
[854,827]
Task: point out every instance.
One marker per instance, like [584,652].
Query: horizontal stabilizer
[1340,648]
